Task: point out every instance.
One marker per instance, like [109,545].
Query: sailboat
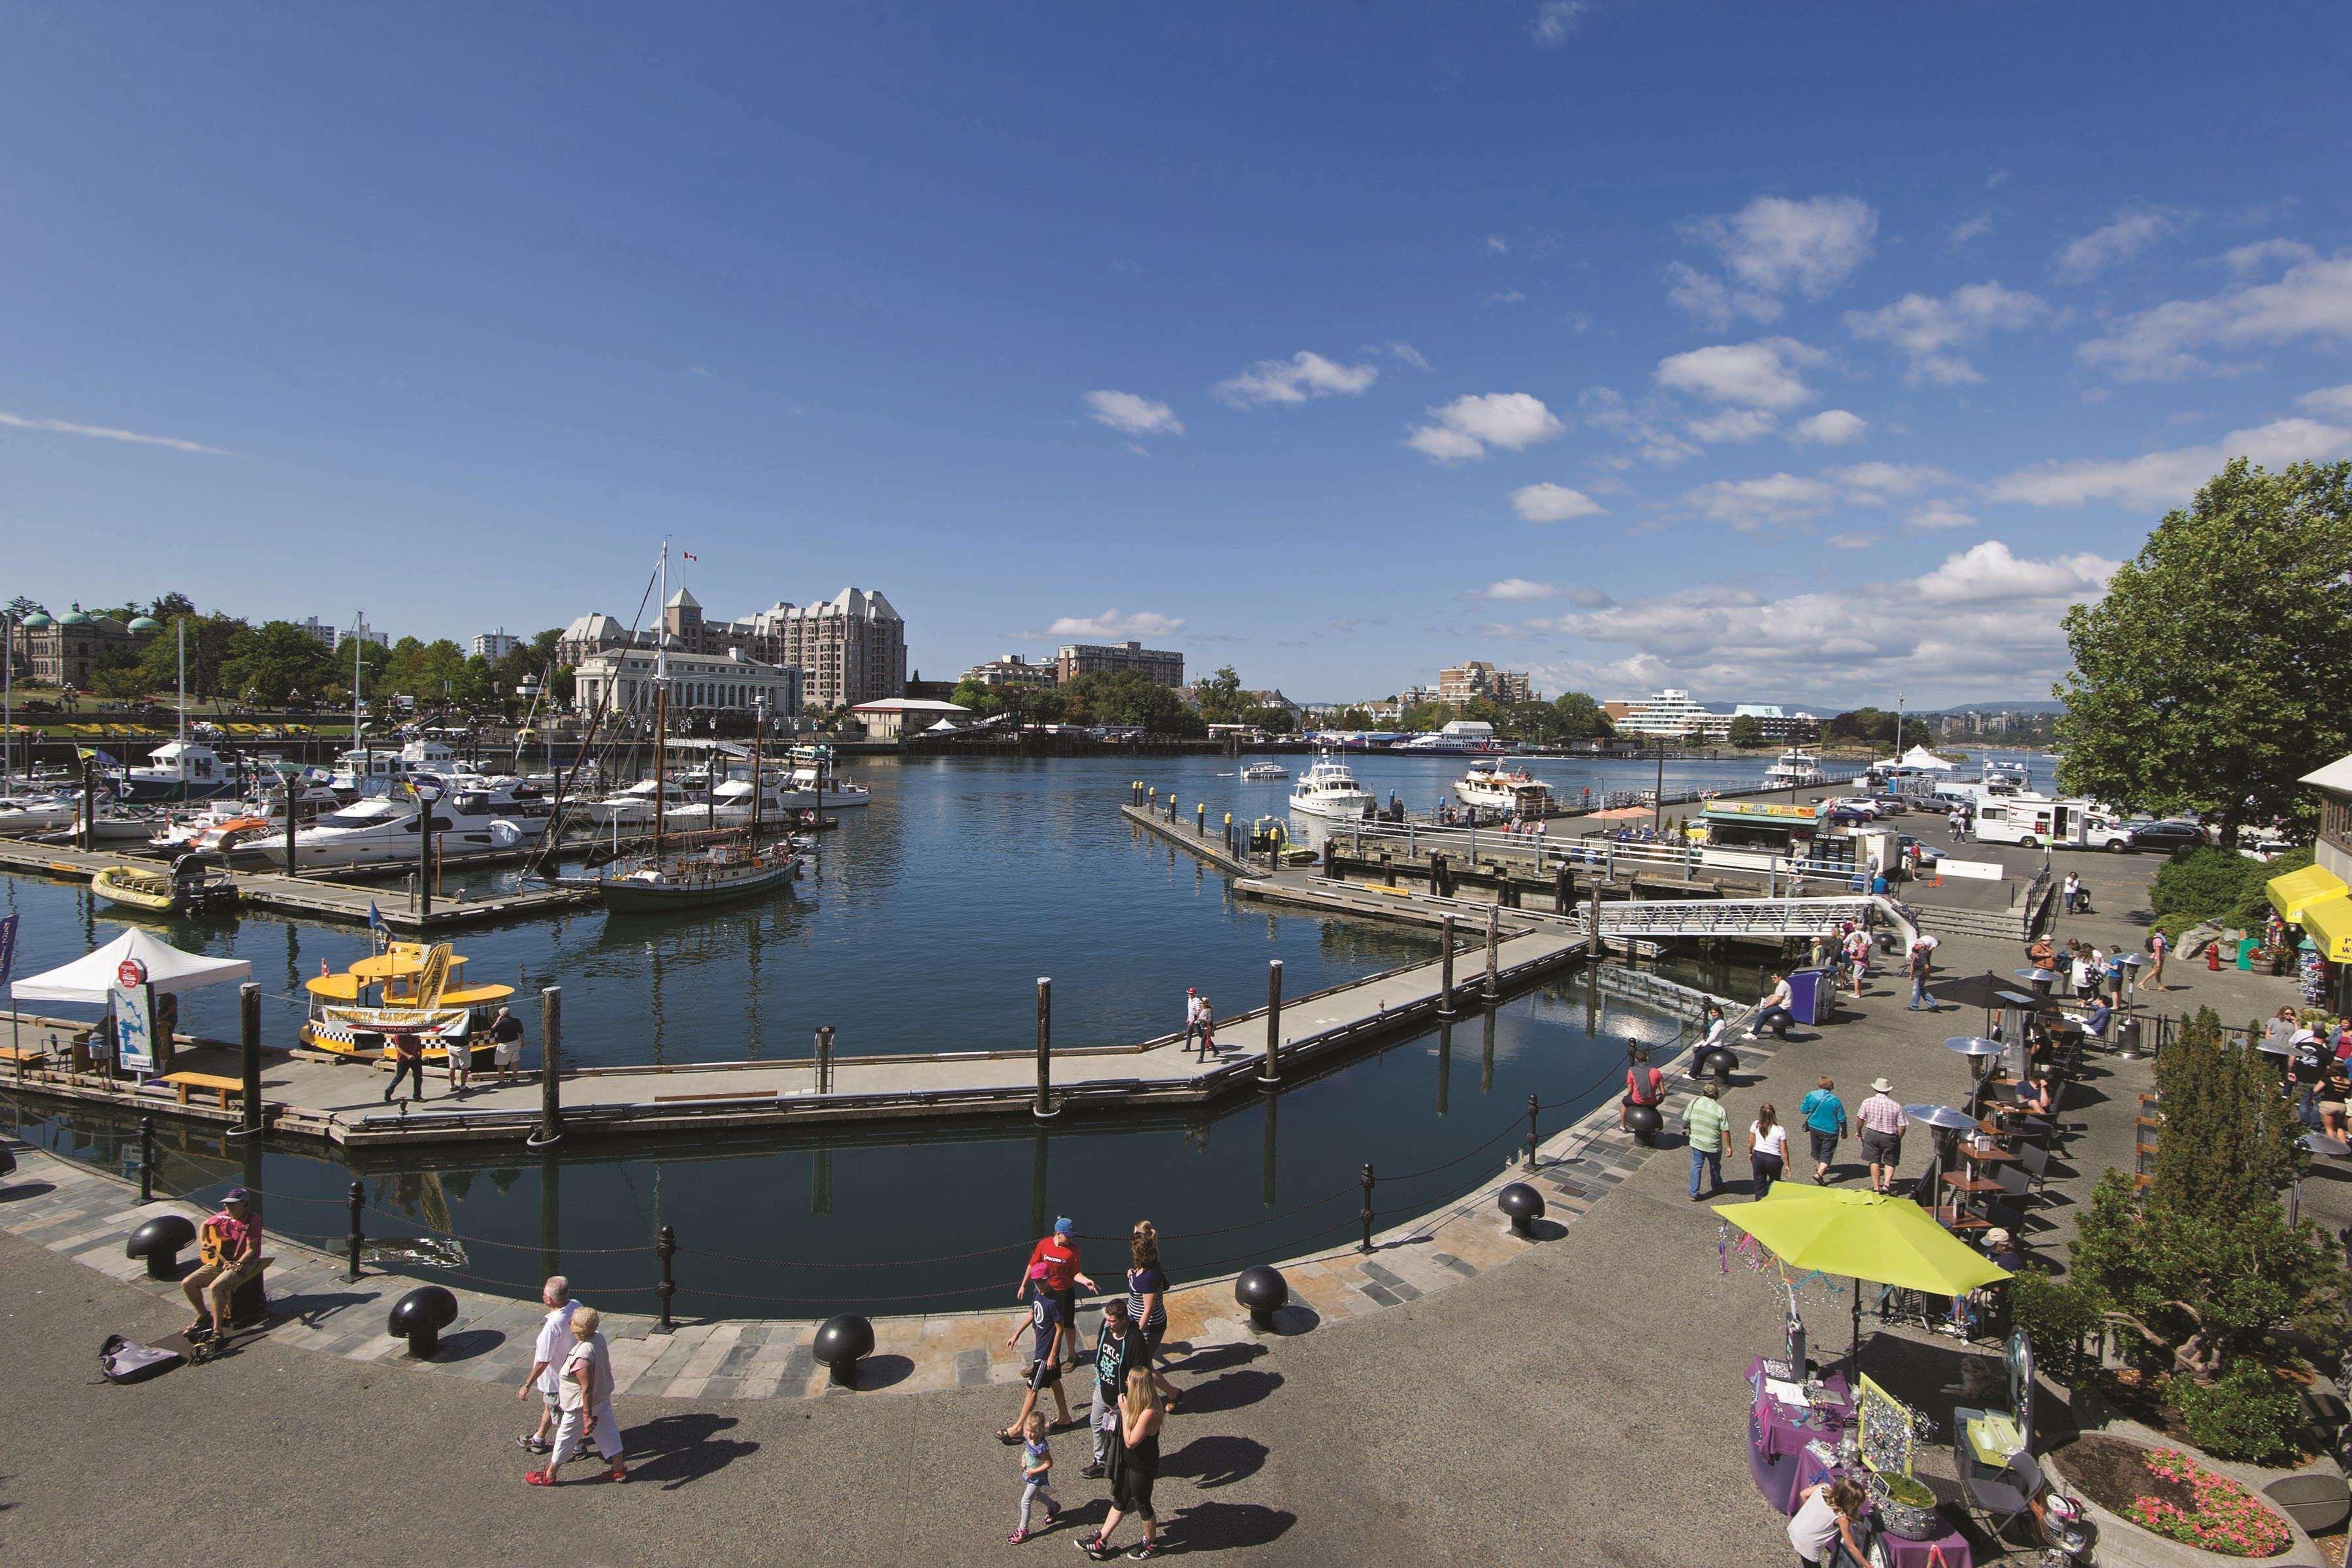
[183,770]
[713,874]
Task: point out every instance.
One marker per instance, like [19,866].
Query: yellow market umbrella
[1863,1236]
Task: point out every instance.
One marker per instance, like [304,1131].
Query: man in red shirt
[1060,1256]
[232,1253]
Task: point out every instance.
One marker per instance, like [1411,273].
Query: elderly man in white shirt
[547,1356]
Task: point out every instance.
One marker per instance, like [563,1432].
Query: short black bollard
[665,1248]
[420,1316]
[1263,1291]
[1523,1204]
[1366,1246]
[159,1241]
[146,1159]
[359,1238]
[1719,1063]
[1532,1108]
[841,1341]
[1646,1123]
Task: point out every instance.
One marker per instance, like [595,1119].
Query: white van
[2034,820]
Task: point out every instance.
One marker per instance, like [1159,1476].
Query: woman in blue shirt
[1824,1115]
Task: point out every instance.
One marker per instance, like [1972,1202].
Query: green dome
[74,617]
[39,620]
[145,624]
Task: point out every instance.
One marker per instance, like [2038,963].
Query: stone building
[1159,666]
[1013,670]
[64,650]
[1467,682]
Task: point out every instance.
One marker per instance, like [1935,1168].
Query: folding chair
[2034,1161]
[2002,1497]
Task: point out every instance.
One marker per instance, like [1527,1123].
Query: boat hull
[625,896]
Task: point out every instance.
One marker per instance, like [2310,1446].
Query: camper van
[2034,820]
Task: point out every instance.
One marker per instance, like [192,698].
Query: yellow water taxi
[407,987]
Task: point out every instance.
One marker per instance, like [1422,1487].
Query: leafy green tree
[1423,716]
[209,639]
[1862,727]
[980,698]
[2211,677]
[1581,717]
[1354,719]
[268,663]
[1746,730]
[119,672]
[1126,697]
[1219,697]
[1272,719]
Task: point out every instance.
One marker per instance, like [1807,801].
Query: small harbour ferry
[1328,789]
[1264,772]
[406,988]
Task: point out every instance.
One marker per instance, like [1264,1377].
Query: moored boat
[1329,789]
[192,885]
[1499,788]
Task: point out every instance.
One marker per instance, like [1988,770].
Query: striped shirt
[1705,1119]
[1882,1114]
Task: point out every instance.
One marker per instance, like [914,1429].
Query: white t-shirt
[555,1342]
[1813,1526]
[589,1352]
[1774,1143]
[1779,997]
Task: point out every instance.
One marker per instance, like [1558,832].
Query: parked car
[2167,837]
[1851,814]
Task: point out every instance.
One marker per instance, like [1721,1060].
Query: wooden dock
[325,896]
[1182,831]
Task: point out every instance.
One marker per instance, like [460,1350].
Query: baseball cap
[1063,1225]
[237,1195]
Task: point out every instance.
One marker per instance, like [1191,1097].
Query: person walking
[1147,1301]
[407,1061]
[1036,1466]
[1768,1149]
[1048,1329]
[505,1046]
[1825,1120]
[1707,1126]
[1921,963]
[1135,1465]
[1857,952]
[547,1354]
[1192,1018]
[586,1383]
[1208,1029]
[2158,946]
[1057,1253]
[2307,1061]
[1883,1126]
[1118,1350]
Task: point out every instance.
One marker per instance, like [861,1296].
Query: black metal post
[1268,1136]
[248,1010]
[1658,800]
[358,1200]
[146,1159]
[1366,1244]
[287,780]
[551,1065]
[825,1058]
[1042,1108]
[665,1246]
[1270,1070]
[1533,1106]
[1446,966]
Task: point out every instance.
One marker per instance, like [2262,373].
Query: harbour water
[934,911]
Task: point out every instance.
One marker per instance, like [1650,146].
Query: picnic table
[185,1083]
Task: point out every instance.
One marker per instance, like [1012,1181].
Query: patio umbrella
[1863,1236]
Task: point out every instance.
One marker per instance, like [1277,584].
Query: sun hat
[1881,1086]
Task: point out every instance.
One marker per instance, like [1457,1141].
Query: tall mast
[180,623]
[759,732]
[661,704]
[7,695]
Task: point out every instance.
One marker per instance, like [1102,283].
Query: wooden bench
[182,1082]
[22,1055]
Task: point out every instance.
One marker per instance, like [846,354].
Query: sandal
[1008,1439]
[538,1479]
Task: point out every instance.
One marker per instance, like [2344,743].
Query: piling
[1270,1070]
[248,1016]
[1493,945]
[1446,966]
[358,1236]
[1366,1215]
[1042,1107]
[550,1068]
[825,1058]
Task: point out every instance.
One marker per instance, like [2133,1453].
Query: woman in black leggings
[1134,1466]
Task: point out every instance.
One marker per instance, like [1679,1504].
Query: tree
[980,698]
[267,663]
[1124,697]
[2211,677]
[1426,716]
[1746,730]
[1354,719]
[209,638]
[1273,721]
[1219,697]
[1581,717]
[1872,727]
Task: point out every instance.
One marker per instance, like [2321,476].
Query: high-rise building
[1161,667]
[361,630]
[495,645]
[853,647]
[320,631]
[1474,678]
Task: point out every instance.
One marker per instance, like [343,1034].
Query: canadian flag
[689,555]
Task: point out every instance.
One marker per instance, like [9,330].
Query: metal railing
[1703,917]
[1596,851]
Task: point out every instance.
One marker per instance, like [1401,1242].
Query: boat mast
[661,704]
[759,731]
[7,699]
[180,623]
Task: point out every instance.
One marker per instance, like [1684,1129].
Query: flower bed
[2164,1491]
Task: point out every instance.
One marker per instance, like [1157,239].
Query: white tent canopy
[89,977]
[1920,757]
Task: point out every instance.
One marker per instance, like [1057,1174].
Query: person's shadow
[1217,1462]
[677,1449]
[1212,1526]
[1230,1391]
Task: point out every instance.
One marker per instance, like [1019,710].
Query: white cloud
[1759,375]
[1556,20]
[1938,515]
[1771,498]
[1968,229]
[1996,179]
[1983,620]
[1927,328]
[1851,541]
[1111,623]
[1497,245]
[1643,429]
[2132,231]
[2334,400]
[108,433]
[1554,503]
[1712,300]
[2263,252]
[1775,246]
[1732,425]
[2155,480]
[2314,299]
[1872,483]
[1517,589]
[1829,427]
[1136,416]
[1295,380]
[1467,427]
[1406,353]
[1502,297]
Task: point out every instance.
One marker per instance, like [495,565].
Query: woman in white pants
[587,1403]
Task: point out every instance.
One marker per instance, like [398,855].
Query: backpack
[123,1361]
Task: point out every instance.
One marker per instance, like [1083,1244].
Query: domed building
[64,651]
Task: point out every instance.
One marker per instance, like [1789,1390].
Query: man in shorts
[234,1237]
[505,1036]
[1882,1125]
[546,1358]
[1047,1325]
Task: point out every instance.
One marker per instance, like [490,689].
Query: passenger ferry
[1797,769]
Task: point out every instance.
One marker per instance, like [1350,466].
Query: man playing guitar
[229,1243]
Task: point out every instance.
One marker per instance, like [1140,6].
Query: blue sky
[1812,352]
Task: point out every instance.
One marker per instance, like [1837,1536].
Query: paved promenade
[1577,1399]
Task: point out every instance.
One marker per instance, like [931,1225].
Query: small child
[1036,1464]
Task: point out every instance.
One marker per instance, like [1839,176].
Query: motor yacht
[1329,789]
[178,771]
[1796,769]
[382,831]
[1506,789]
[1264,772]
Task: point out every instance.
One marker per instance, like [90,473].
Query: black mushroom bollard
[159,1241]
[420,1316]
[1646,1123]
[1719,1063]
[1523,1204]
[1263,1291]
[842,1342]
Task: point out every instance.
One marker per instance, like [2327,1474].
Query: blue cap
[237,1195]
[1064,1226]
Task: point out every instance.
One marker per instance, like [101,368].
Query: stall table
[1777,1439]
[1951,1550]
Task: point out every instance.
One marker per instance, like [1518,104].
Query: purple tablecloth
[1809,1471]
[1776,1438]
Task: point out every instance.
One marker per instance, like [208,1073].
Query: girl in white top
[1825,1516]
[1768,1149]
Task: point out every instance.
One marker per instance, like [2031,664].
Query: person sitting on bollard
[229,1245]
[1645,1085]
[1712,1037]
[587,1397]
[1777,1007]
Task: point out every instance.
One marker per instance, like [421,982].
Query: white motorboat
[1328,789]
[22,815]
[1505,789]
[382,831]
[814,782]
[175,771]
[1264,772]
[1796,769]
[634,806]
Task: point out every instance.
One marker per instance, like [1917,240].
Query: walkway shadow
[881,1372]
[675,1450]
[467,1343]
[1218,1358]
[24,1190]
[1215,1526]
[314,1310]
[1231,1391]
[1294,1318]
[1215,1461]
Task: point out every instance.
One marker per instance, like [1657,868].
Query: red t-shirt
[235,1235]
[1061,1261]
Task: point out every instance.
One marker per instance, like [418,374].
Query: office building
[1161,667]
[495,645]
[1476,680]
[698,683]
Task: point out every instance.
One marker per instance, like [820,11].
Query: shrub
[2211,881]
[2249,1412]
[2055,1314]
[2254,908]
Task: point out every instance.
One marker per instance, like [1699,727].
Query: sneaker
[1091,1472]
[1093,1547]
[530,1445]
[616,1474]
[1016,1537]
[1142,1550]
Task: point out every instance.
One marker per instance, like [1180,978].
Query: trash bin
[1809,995]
